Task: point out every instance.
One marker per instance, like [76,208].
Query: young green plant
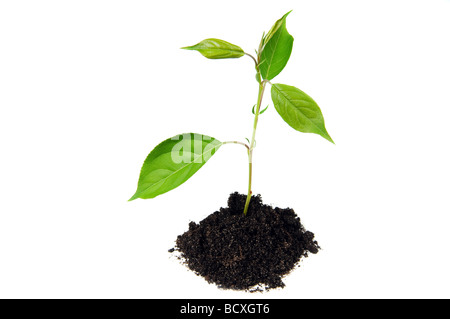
[176,159]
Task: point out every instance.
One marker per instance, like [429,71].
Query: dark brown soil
[246,252]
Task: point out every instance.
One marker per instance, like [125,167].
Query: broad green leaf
[299,110]
[275,49]
[217,49]
[173,162]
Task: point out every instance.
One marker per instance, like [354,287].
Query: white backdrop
[88,88]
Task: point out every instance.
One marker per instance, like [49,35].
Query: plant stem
[236,142]
[262,86]
[253,58]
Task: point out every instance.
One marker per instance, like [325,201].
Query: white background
[88,88]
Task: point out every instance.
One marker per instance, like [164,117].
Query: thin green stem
[262,86]
[253,58]
[236,142]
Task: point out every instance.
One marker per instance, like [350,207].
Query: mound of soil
[246,252]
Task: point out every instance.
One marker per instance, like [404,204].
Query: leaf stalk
[253,58]
[236,142]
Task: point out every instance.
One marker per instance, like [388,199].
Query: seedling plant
[178,158]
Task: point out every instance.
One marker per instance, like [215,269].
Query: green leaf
[173,162]
[260,112]
[217,49]
[275,49]
[299,110]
